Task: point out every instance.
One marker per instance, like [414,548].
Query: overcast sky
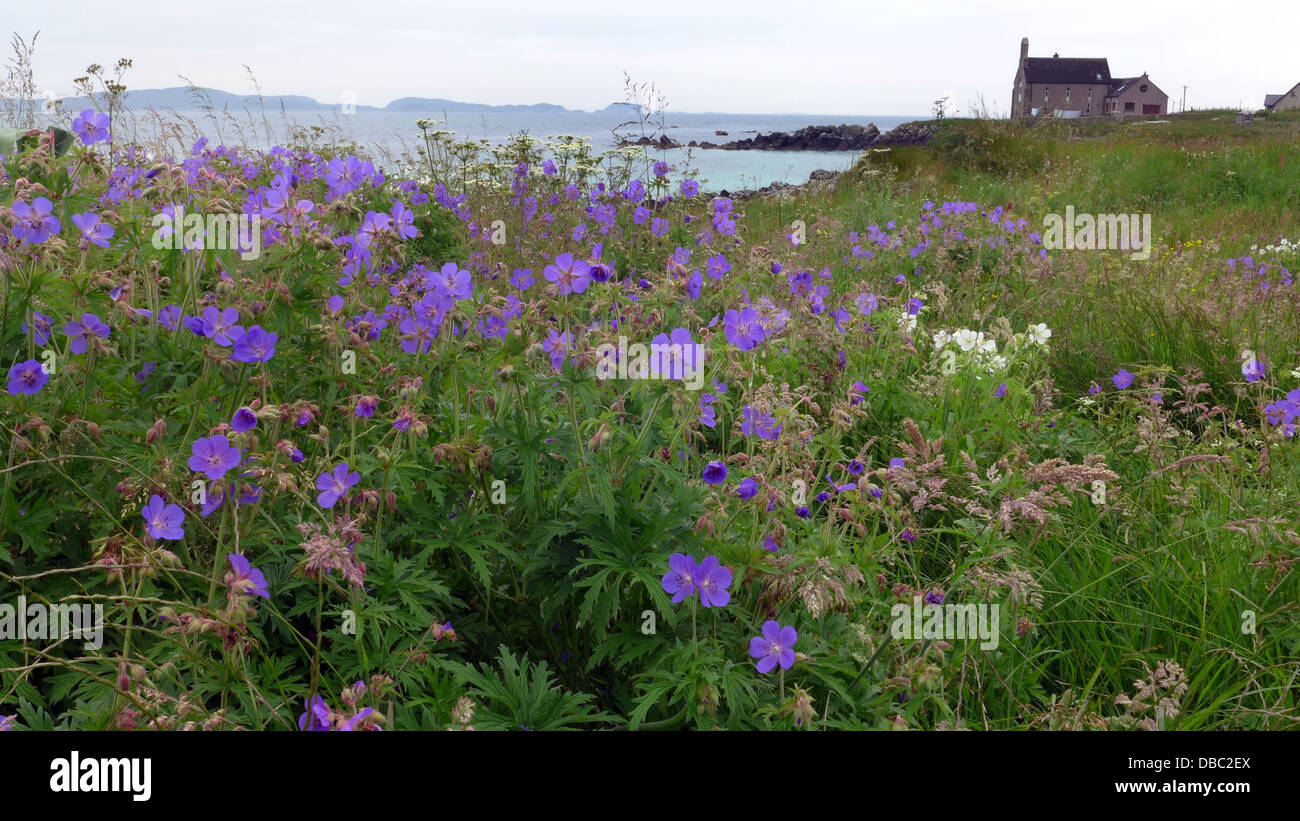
[757,56]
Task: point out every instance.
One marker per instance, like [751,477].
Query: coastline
[842,137]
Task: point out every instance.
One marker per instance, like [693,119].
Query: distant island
[187,98]
[841,137]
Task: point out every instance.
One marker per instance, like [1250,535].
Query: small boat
[721,133]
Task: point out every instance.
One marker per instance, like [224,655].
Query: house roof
[1083,70]
[1271,99]
[1121,84]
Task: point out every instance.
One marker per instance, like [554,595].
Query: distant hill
[182,98]
[439,104]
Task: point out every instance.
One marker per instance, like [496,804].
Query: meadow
[377,474]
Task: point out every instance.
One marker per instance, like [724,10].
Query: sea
[389,134]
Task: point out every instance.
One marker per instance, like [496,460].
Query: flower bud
[598,440]
[707,697]
[159,428]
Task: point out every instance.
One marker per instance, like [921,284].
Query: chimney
[1024,50]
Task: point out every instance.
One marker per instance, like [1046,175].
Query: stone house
[1282,102]
[1136,95]
[1045,85]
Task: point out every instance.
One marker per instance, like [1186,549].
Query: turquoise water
[394,132]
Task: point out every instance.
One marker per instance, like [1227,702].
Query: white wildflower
[966,339]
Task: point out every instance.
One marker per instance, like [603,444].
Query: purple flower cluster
[1285,413]
[709,578]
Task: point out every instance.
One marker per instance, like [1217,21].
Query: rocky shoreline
[841,137]
[819,179]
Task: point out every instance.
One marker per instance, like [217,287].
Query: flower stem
[695,642]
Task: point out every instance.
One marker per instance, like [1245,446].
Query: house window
[1143,88]
[1067,97]
[1089,101]
[1128,106]
[1045,91]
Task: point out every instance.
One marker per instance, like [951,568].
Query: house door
[1148,108]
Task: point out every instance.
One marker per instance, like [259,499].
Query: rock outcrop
[821,178]
[826,138]
[906,134]
[663,141]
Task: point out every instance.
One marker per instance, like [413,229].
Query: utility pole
[1184,108]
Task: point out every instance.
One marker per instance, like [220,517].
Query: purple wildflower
[248,580]
[91,126]
[317,718]
[254,345]
[33,223]
[81,332]
[715,473]
[712,580]
[774,647]
[708,415]
[163,521]
[335,486]
[679,581]
[95,231]
[244,420]
[522,279]
[27,377]
[570,274]
[214,456]
[748,488]
[743,328]
[758,423]
[40,328]
[218,324]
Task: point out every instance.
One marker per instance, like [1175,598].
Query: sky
[857,57]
